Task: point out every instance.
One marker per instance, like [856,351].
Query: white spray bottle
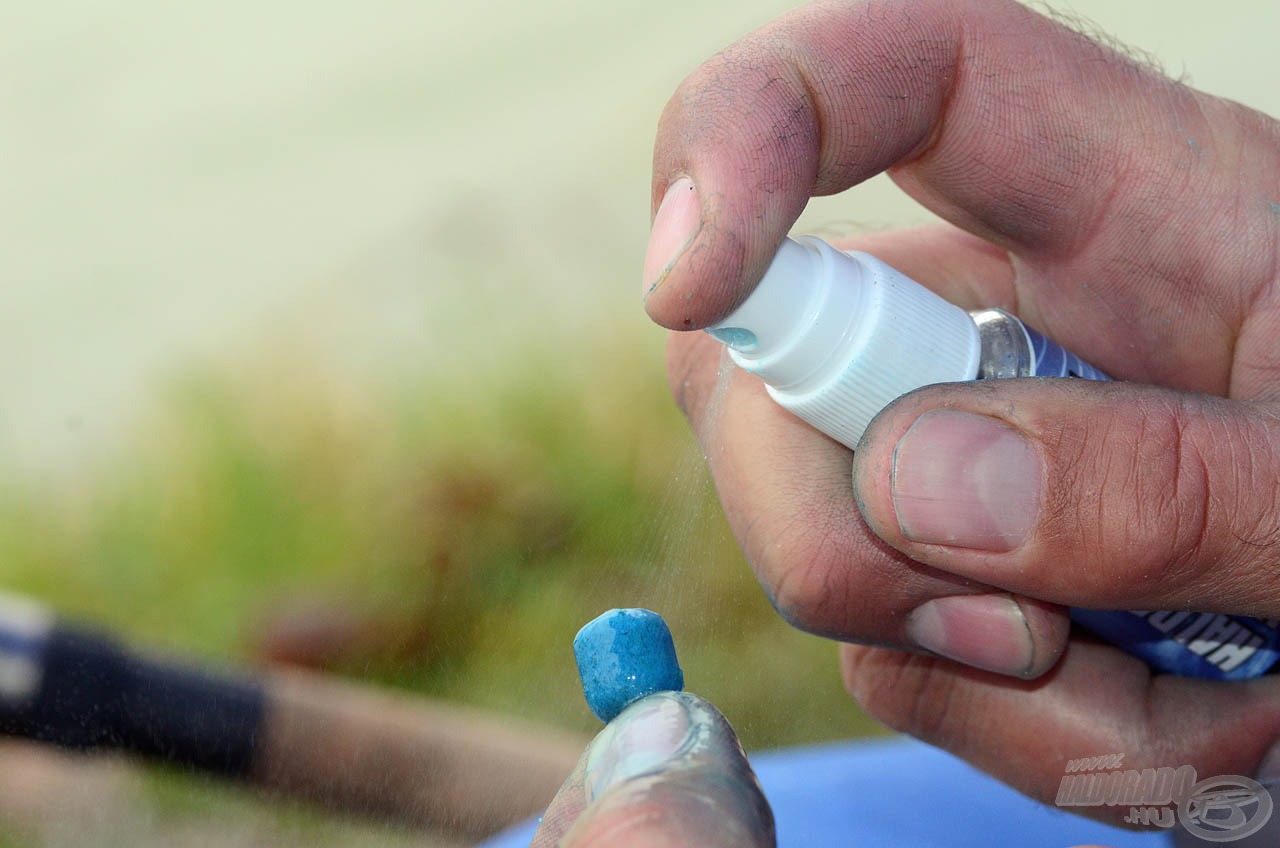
[838,336]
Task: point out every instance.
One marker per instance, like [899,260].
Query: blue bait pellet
[623,655]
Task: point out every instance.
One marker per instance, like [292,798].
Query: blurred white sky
[386,179]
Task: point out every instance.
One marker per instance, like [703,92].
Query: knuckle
[1140,494]
[1184,512]
[1170,485]
[805,576]
[1242,511]
[1217,480]
[800,594]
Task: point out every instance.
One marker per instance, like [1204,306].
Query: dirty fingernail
[984,631]
[674,228]
[645,737]
[965,480]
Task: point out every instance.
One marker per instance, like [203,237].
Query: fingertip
[675,228]
[1050,627]
[992,481]
[986,631]
[669,771]
[708,276]
[852,659]
[662,733]
[914,471]
[715,230]
[751,175]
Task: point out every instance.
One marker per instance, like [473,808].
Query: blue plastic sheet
[903,794]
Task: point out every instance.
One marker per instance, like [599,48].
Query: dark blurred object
[294,734]
[81,690]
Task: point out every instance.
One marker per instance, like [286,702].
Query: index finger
[1000,120]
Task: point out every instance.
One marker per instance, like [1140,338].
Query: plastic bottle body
[836,337]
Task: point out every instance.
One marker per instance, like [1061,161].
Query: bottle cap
[837,336]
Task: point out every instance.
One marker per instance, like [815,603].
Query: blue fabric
[902,794]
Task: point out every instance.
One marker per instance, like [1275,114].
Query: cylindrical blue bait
[624,655]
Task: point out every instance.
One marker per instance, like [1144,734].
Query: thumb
[668,771]
[1103,496]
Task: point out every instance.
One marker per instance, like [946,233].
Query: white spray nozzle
[775,312]
[837,337]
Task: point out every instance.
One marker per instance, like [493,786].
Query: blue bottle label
[1051,360]
[1204,645]
[1192,644]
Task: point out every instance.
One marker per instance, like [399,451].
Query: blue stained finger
[624,655]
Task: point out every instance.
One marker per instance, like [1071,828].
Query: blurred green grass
[446,535]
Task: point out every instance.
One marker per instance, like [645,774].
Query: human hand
[668,771]
[1126,216]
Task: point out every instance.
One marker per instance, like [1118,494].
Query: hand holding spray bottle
[837,336]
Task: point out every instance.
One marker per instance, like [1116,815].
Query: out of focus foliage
[445,535]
